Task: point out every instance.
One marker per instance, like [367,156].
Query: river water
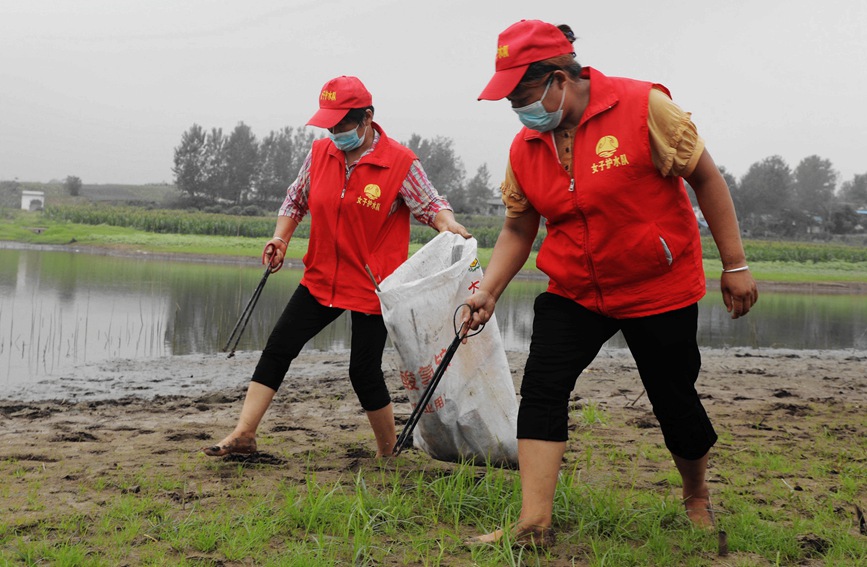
[62,308]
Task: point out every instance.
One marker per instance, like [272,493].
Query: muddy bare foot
[530,536]
[232,446]
[700,512]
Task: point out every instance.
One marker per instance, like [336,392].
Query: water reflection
[62,308]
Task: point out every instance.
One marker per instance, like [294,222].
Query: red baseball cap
[339,96]
[518,46]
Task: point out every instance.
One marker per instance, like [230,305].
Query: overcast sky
[104,89]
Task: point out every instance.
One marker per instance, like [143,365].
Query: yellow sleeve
[513,196]
[674,141]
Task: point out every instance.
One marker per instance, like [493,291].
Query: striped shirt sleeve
[295,204]
[420,196]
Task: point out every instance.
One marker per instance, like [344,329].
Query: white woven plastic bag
[473,413]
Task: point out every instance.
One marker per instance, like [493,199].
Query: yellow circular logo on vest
[372,192]
[607,146]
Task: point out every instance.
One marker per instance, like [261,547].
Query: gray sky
[103,89]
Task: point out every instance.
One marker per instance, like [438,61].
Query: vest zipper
[337,230]
[591,268]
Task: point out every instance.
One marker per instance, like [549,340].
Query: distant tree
[445,170]
[815,181]
[854,191]
[764,196]
[842,220]
[191,159]
[216,166]
[281,155]
[10,194]
[242,161]
[479,191]
[72,184]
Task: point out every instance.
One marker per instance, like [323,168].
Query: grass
[781,503]
[777,262]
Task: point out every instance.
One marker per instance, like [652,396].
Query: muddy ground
[110,414]
[111,422]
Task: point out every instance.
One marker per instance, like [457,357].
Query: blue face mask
[535,117]
[349,140]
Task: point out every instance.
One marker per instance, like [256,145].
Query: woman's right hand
[481,308]
[274,253]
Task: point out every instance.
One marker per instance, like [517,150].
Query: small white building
[32,200]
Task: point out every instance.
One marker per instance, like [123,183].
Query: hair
[357,114]
[566,62]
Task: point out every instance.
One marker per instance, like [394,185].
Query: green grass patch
[159,231]
[616,504]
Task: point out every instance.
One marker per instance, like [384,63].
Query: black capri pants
[302,320]
[566,339]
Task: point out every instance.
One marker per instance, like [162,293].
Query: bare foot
[232,445]
[492,537]
[700,511]
[532,536]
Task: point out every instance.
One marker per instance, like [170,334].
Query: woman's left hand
[739,292]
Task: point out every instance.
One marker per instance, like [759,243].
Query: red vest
[350,226]
[622,240]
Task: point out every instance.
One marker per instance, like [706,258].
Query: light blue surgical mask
[535,117]
[349,140]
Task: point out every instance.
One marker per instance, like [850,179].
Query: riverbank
[791,445]
[832,281]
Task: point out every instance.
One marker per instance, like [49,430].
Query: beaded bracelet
[733,270]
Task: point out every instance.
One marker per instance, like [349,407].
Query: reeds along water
[43,335]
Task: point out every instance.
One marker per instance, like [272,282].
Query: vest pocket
[642,253]
[666,250]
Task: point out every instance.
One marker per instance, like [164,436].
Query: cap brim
[327,117]
[503,82]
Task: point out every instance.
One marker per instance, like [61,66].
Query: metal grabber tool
[245,315]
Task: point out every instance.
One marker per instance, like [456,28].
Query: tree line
[239,169]
[771,198]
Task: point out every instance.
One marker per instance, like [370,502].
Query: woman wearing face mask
[359,187]
[603,160]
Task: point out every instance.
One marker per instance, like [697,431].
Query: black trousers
[302,320]
[566,339]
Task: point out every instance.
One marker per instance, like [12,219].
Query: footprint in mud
[218,398]
[31,457]
[356,452]
[792,409]
[282,428]
[643,422]
[73,437]
[255,459]
[188,435]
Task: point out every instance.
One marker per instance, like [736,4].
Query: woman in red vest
[602,160]
[359,187]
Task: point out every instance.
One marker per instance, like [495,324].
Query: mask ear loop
[562,98]
[364,133]
[547,86]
